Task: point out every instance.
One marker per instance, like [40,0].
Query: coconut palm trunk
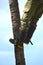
[15,16]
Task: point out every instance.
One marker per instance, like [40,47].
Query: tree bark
[15,16]
[19,56]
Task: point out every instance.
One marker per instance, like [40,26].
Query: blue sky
[33,54]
